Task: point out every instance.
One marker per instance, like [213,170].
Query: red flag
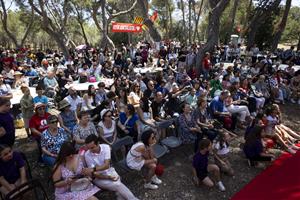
[126,27]
[154,16]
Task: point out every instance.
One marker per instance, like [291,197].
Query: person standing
[27,107]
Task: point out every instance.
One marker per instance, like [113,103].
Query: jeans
[48,160]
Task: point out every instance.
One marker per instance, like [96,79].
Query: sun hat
[38,105]
[103,112]
[63,104]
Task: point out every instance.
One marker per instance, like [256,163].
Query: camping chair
[21,191]
[27,166]
[124,142]
[174,140]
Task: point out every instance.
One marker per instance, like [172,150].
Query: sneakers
[221,186]
[291,151]
[150,186]
[156,180]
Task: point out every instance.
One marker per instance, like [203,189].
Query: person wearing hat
[38,124]
[19,80]
[27,107]
[67,118]
[107,127]
[51,140]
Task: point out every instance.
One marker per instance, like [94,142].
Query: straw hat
[18,73]
[63,104]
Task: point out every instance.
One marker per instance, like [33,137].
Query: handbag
[80,184]
[159,170]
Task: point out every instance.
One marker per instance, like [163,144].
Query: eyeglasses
[53,122]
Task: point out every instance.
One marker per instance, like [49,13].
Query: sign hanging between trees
[126,27]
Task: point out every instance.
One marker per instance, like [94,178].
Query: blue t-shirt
[10,170]
[31,73]
[130,123]
[216,105]
[7,122]
[200,163]
[43,99]
[253,150]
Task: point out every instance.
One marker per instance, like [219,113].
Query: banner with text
[126,27]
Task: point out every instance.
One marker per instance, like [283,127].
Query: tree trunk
[281,26]
[155,35]
[298,45]
[190,21]
[232,17]
[197,20]
[170,20]
[183,18]
[106,41]
[257,19]
[216,9]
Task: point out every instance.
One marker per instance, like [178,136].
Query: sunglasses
[107,115]
[41,109]
[53,122]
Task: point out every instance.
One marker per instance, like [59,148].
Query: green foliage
[292,29]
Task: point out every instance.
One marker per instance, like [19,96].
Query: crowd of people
[154,90]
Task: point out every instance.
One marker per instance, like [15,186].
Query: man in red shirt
[206,65]
[38,123]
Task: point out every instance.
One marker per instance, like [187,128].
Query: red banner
[125,27]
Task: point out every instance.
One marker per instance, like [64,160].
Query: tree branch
[125,11]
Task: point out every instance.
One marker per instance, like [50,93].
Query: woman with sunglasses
[38,124]
[51,140]
[141,156]
[107,127]
[68,178]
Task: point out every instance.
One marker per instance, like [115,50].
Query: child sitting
[201,168]
[221,152]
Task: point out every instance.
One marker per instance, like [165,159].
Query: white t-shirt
[5,89]
[108,132]
[223,151]
[98,159]
[74,102]
[272,121]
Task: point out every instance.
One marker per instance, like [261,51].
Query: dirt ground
[177,184]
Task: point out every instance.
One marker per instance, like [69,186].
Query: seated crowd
[208,109]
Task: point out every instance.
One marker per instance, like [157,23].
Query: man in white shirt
[98,160]
[73,99]
[5,89]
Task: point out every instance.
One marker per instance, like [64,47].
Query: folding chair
[174,140]
[21,191]
[124,142]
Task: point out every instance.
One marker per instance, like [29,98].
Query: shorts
[26,122]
